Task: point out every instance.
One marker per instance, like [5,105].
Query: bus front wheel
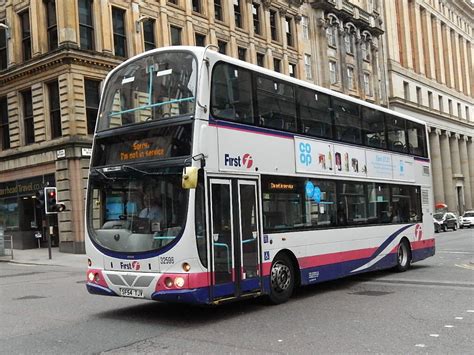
[282,279]
[403,256]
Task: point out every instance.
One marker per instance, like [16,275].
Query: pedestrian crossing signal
[52,206]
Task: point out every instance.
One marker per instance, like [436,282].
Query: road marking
[465,266]
[434,335]
[454,252]
[420,345]
[449,326]
[459,318]
[470,311]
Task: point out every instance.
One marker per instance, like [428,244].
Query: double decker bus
[213,179]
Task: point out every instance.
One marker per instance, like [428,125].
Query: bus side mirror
[190,177]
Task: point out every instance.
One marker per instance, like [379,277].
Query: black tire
[403,256]
[282,279]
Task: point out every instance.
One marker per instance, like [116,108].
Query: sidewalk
[41,257]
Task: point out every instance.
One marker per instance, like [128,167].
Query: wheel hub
[281,277]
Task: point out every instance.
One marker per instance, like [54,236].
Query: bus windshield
[154,87]
[135,212]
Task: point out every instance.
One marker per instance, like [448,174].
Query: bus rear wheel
[282,279]
[403,256]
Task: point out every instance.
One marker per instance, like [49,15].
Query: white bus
[212,180]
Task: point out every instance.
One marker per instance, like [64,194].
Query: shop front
[20,215]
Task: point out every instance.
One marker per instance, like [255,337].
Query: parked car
[445,221]
[467,219]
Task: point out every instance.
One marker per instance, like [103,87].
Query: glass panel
[406,205]
[222,234]
[249,237]
[352,204]
[153,87]
[276,104]
[136,213]
[232,94]
[416,138]
[396,134]
[347,121]
[373,128]
[314,113]
[378,196]
[200,220]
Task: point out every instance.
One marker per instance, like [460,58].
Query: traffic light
[40,199]
[50,196]
[51,203]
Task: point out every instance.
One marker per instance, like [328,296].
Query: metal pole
[49,230]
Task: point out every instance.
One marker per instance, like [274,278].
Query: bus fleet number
[166,260]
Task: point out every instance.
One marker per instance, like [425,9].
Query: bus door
[234,237]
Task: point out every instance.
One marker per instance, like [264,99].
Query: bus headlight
[179,282]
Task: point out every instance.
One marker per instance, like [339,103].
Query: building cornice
[61,56]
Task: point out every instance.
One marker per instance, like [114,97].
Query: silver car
[467,219]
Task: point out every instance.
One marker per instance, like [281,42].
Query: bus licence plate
[131,292]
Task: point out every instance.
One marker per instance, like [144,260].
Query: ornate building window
[256,18]
[260,59]
[273,25]
[331,33]
[3,49]
[52,29]
[332,72]
[367,89]
[200,39]
[350,78]
[197,6]
[292,70]
[4,125]
[349,43]
[289,31]
[54,109]
[28,123]
[86,27]
[238,13]
[120,37]
[366,50]
[149,34]
[307,67]
[222,47]
[175,33]
[277,65]
[242,53]
[218,10]
[305,26]
[25,34]
[92,90]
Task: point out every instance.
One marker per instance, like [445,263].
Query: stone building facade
[430,52]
